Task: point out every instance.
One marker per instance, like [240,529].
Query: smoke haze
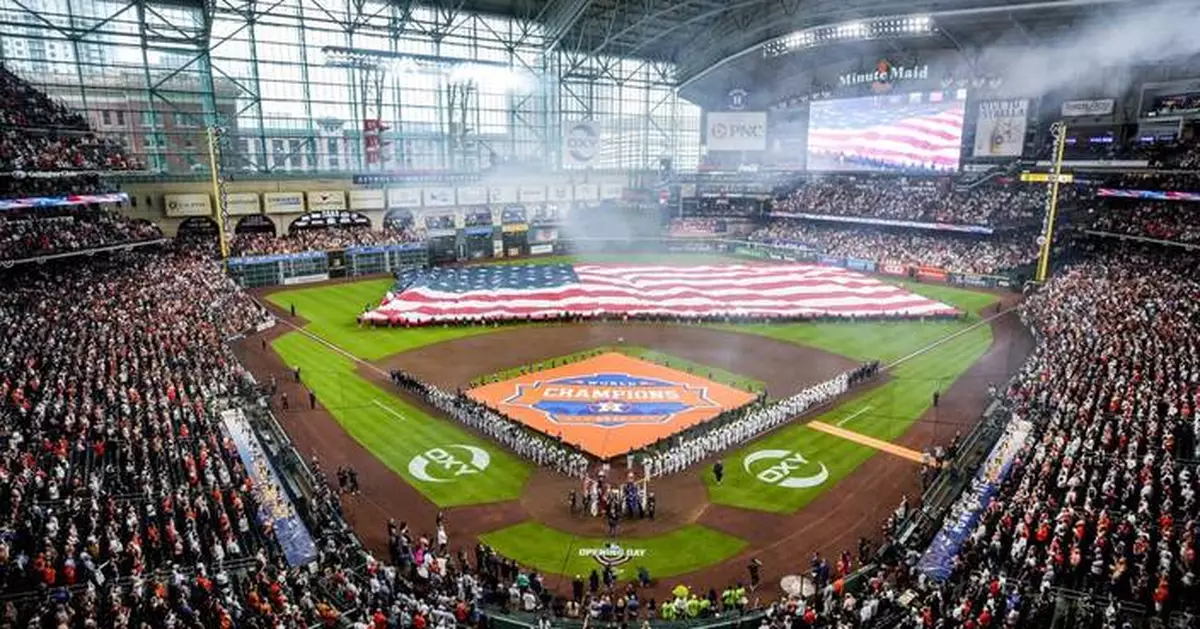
[1099,56]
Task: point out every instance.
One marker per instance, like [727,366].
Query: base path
[857,506]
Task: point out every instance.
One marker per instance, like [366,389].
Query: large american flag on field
[593,290]
[888,130]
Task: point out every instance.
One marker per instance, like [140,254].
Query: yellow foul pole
[214,168]
[1046,240]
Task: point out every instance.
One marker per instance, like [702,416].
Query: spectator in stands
[41,232]
[38,134]
[946,250]
[321,239]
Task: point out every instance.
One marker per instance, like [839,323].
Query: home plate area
[611,404]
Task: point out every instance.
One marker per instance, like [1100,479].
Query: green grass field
[398,433]
[884,413]
[681,551]
[674,362]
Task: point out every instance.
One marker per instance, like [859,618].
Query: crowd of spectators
[42,232]
[12,186]
[320,239]
[1100,500]
[1173,221]
[913,200]
[692,227]
[112,468]
[38,133]
[954,252]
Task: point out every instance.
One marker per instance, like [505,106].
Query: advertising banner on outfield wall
[327,201]
[829,261]
[860,265]
[242,204]
[472,195]
[1092,107]
[931,273]
[403,197]
[502,194]
[558,193]
[438,197]
[532,194]
[187,205]
[587,192]
[735,130]
[1000,128]
[611,190]
[283,203]
[893,268]
[368,199]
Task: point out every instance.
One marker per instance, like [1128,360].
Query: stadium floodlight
[859,30]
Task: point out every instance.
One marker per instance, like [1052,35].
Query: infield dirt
[857,506]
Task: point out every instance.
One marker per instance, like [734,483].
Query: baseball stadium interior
[666,314]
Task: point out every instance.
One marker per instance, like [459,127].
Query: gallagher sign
[884,75]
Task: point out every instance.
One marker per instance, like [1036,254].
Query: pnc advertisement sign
[611,403]
[736,131]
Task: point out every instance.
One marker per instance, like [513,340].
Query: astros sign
[610,404]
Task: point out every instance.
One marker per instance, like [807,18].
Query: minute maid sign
[884,75]
[610,399]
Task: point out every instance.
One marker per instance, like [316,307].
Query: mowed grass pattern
[394,431]
[548,550]
[885,413]
[332,313]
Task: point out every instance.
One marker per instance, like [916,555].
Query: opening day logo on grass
[612,555]
[439,465]
[780,474]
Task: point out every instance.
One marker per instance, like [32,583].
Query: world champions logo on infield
[610,403]
[610,399]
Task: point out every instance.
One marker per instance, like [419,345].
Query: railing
[129,246]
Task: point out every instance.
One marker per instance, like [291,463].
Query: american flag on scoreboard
[590,290]
[907,134]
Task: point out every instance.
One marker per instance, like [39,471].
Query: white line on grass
[390,410]
[855,414]
[945,339]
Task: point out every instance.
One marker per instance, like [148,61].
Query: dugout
[514,229]
[478,242]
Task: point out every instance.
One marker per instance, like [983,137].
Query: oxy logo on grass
[610,399]
[443,465]
[612,555]
[789,469]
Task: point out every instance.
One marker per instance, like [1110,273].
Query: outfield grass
[667,360]
[332,313]
[885,412]
[548,550]
[396,432]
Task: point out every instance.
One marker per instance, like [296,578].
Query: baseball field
[414,462]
